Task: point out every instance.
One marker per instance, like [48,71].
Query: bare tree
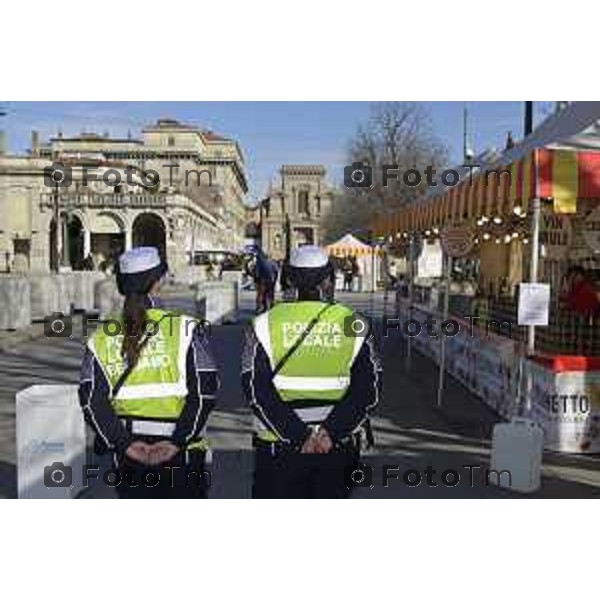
[350,212]
[399,134]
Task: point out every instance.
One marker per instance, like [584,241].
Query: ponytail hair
[134,317]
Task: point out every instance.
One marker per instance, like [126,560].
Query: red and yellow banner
[564,181]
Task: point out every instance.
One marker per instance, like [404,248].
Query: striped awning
[349,245]
[564,176]
[352,251]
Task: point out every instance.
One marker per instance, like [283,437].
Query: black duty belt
[345,445]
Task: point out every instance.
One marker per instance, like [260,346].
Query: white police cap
[138,260]
[308,257]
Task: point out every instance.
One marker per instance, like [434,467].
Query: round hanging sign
[457,241]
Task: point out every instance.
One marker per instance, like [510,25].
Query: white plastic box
[517,447]
[50,430]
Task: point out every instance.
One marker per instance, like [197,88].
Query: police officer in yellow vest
[311,374]
[148,384]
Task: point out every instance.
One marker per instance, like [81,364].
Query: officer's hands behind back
[318,442]
[162,452]
[138,451]
[151,454]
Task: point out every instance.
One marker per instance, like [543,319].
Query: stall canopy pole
[373,274]
[536,209]
[385,270]
[533,276]
[446,291]
[373,279]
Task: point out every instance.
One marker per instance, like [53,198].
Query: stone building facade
[177,187]
[294,208]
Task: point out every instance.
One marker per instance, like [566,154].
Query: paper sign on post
[534,304]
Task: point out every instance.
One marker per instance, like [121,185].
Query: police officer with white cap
[148,383]
[311,374]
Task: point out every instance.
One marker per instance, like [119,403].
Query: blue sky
[270,133]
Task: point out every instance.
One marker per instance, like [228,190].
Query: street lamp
[57,227]
[288,237]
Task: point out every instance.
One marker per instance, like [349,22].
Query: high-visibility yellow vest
[317,375]
[156,388]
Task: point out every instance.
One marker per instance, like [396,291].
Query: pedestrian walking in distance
[347,271]
[147,392]
[311,382]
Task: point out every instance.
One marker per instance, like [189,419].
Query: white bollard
[517,450]
[51,447]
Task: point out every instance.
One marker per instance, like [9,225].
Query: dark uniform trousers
[184,476]
[283,473]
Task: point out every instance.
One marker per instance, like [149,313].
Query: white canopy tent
[368,259]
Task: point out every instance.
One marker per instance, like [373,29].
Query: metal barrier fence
[566,333]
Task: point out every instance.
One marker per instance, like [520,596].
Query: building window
[171,140]
[303,202]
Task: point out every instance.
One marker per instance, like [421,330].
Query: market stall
[528,214]
[368,259]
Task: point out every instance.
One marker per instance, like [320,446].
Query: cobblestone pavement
[411,434]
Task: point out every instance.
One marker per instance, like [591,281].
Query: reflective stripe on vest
[162,429]
[313,414]
[157,386]
[158,428]
[319,370]
[282,382]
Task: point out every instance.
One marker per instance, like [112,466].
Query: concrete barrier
[107,299]
[190,275]
[66,292]
[235,276]
[217,301]
[62,292]
[15,300]
[44,296]
[83,289]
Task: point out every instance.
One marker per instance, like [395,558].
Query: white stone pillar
[59,241]
[87,242]
[128,238]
